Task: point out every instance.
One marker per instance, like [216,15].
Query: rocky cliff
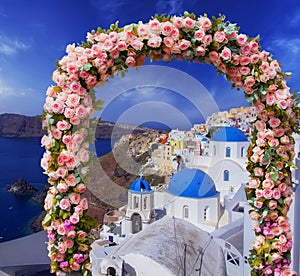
[15,125]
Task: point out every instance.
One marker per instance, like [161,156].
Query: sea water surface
[20,158]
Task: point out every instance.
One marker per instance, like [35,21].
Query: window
[228,152]
[135,202]
[205,213]
[226,175]
[186,211]
[215,151]
[243,152]
[233,258]
[145,203]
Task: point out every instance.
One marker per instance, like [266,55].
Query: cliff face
[15,125]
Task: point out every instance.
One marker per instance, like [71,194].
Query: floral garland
[71,102]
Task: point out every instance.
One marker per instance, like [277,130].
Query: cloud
[169,6]
[10,47]
[108,9]
[293,45]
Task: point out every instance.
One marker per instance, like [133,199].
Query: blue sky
[34,34]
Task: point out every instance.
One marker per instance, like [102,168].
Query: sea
[20,158]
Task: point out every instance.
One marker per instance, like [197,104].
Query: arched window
[228,151]
[135,202]
[185,213]
[205,213]
[145,203]
[226,175]
[243,152]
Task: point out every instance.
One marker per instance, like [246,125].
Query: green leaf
[86,67]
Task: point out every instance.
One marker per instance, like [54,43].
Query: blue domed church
[192,195]
[140,210]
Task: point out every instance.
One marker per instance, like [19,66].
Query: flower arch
[70,103]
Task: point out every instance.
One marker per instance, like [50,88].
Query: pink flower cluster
[70,103]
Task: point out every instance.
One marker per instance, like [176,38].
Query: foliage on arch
[70,103]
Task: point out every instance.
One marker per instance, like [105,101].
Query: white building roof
[164,241]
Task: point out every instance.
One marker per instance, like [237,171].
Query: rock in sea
[21,187]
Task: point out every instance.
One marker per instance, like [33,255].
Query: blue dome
[140,185]
[204,139]
[229,134]
[192,183]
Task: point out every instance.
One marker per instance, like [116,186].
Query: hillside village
[199,214]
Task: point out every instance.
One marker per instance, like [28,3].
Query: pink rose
[282,104]
[61,230]
[70,180]
[73,100]
[57,107]
[189,23]
[259,193]
[260,125]
[59,257]
[254,46]
[75,266]
[62,248]
[130,61]
[270,99]
[71,234]
[244,70]
[56,133]
[273,142]
[49,202]
[75,86]
[175,34]
[184,44]
[204,22]
[155,26]
[84,203]
[61,172]
[207,39]
[81,188]
[276,193]
[81,234]
[244,60]
[272,204]
[62,187]
[274,122]
[74,218]
[253,183]
[69,112]
[64,204]
[167,28]
[74,198]
[226,53]
[219,36]
[199,34]
[200,51]
[258,171]
[68,243]
[137,44]
[258,204]
[78,210]
[267,184]
[249,81]
[268,193]
[241,39]
[254,58]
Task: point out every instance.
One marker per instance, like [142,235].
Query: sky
[34,34]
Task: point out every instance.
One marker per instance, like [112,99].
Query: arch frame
[71,102]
